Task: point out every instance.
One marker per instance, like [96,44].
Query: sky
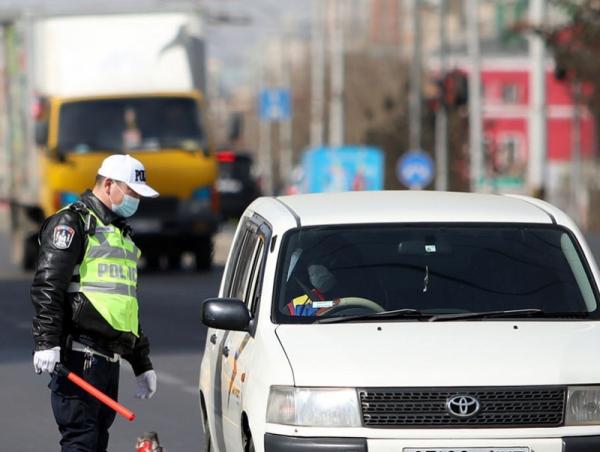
[238,46]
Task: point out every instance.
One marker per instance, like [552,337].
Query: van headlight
[314,407]
[583,405]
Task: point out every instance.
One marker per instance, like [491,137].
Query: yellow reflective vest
[108,276]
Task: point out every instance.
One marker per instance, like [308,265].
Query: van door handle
[213,339]
[225,351]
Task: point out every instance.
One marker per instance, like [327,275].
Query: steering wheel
[347,303]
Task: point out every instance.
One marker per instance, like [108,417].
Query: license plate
[466,449]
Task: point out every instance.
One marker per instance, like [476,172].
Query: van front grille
[537,406]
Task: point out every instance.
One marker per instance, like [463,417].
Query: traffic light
[455,89]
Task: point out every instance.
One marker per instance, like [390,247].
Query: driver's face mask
[321,278]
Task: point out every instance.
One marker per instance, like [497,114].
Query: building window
[510,93]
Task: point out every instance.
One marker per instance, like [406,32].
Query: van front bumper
[275,443]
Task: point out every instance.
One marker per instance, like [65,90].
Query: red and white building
[505,102]
[505,84]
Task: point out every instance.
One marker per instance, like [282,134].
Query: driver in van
[315,301]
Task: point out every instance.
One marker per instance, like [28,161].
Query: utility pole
[414,95]
[536,166]
[285,125]
[317,74]
[31,170]
[576,168]
[475,116]
[441,117]
[336,102]
[5,160]
[264,137]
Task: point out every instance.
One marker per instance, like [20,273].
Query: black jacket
[61,316]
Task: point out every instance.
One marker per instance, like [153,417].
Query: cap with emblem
[126,169]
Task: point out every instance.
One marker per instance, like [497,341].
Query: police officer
[86,308]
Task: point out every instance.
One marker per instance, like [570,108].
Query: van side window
[251,299]
[232,264]
[243,266]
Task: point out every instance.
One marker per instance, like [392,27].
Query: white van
[403,322]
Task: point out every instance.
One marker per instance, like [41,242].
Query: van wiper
[485,314]
[395,314]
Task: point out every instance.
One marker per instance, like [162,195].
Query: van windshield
[129,124]
[432,270]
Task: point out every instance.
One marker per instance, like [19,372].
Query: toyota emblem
[463,406]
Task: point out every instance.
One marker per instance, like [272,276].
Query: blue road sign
[275,104]
[415,169]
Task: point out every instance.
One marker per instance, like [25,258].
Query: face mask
[321,278]
[127,207]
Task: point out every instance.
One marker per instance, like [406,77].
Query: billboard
[344,168]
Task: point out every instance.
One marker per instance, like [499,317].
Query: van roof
[410,207]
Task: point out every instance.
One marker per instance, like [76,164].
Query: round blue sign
[415,169]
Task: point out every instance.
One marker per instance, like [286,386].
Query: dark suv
[236,184]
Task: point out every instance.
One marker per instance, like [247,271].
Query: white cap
[126,169]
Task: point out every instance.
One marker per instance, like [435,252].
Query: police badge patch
[63,236]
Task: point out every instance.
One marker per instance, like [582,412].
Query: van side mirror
[41,133]
[225,314]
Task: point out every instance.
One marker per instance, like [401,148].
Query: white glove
[45,360]
[146,385]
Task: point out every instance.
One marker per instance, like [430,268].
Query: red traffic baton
[92,390]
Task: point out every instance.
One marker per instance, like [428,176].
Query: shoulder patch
[63,236]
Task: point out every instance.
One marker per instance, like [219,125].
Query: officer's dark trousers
[82,420]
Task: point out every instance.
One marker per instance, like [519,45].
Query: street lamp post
[475,115]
